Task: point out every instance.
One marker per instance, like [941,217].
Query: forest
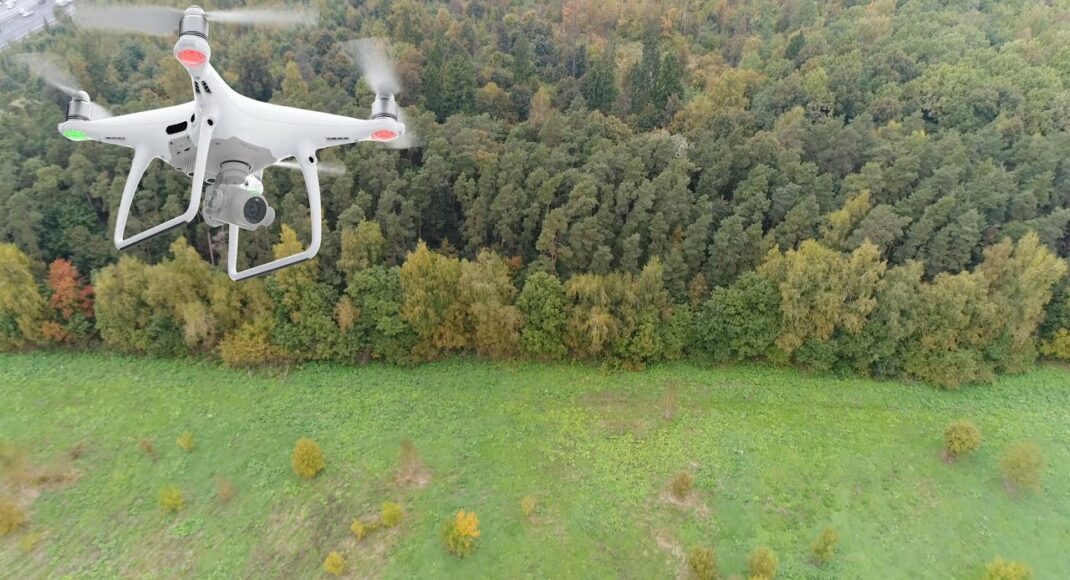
[877,188]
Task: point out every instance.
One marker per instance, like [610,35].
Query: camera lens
[255,210]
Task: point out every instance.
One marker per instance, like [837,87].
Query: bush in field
[307,459]
[123,315]
[149,447]
[682,485]
[70,304]
[542,303]
[740,321]
[391,514]
[487,291]
[186,442]
[12,517]
[360,531]
[334,564]
[171,499]
[224,489]
[824,547]
[1000,569]
[703,563]
[250,346]
[21,306]
[528,505]
[961,438]
[460,534]
[1023,464]
[762,563]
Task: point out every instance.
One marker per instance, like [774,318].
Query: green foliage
[740,321]
[487,291]
[250,345]
[961,438]
[379,330]
[123,314]
[1000,569]
[362,248]
[430,283]
[703,563]
[391,514]
[824,546]
[304,307]
[21,306]
[762,563]
[1023,465]
[12,516]
[334,564]
[460,534]
[172,499]
[542,303]
[682,484]
[307,458]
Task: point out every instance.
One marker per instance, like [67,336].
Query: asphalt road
[13,26]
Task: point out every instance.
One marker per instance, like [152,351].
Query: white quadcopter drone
[222,139]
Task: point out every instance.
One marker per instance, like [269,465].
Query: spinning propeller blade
[161,21]
[369,54]
[45,68]
[323,167]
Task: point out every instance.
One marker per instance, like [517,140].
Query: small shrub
[250,346]
[77,451]
[1023,464]
[528,505]
[703,562]
[224,490]
[360,531]
[824,546]
[1000,569]
[149,448]
[961,438]
[391,514]
[307,458]
[12,517]
[762,563]
[334,564]
[30,541]
[186,442]
[460,534]
[410,470]
[682,485]
[171,499]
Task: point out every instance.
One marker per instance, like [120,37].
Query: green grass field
[776,457]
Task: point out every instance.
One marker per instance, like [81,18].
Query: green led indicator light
[75,135]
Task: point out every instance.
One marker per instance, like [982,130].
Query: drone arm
[312,184]
[142,158]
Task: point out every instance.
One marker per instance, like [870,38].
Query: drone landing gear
[143,155]
[307,163]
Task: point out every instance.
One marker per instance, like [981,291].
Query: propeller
[369,54]
[45,68]
[324,167]
[162,21]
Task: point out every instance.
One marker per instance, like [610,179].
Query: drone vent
[196,87]
[206,89]
[183,153]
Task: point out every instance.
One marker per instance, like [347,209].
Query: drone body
[224,141]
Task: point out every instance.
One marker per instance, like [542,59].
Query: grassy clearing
[776,457]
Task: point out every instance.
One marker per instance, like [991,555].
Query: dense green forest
[880,188]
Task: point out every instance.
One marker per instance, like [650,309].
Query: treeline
[597,146]
[815,307]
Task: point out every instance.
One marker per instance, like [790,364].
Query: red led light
[191,57]
[384,135]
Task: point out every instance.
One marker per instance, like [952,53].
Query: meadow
[776,457]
